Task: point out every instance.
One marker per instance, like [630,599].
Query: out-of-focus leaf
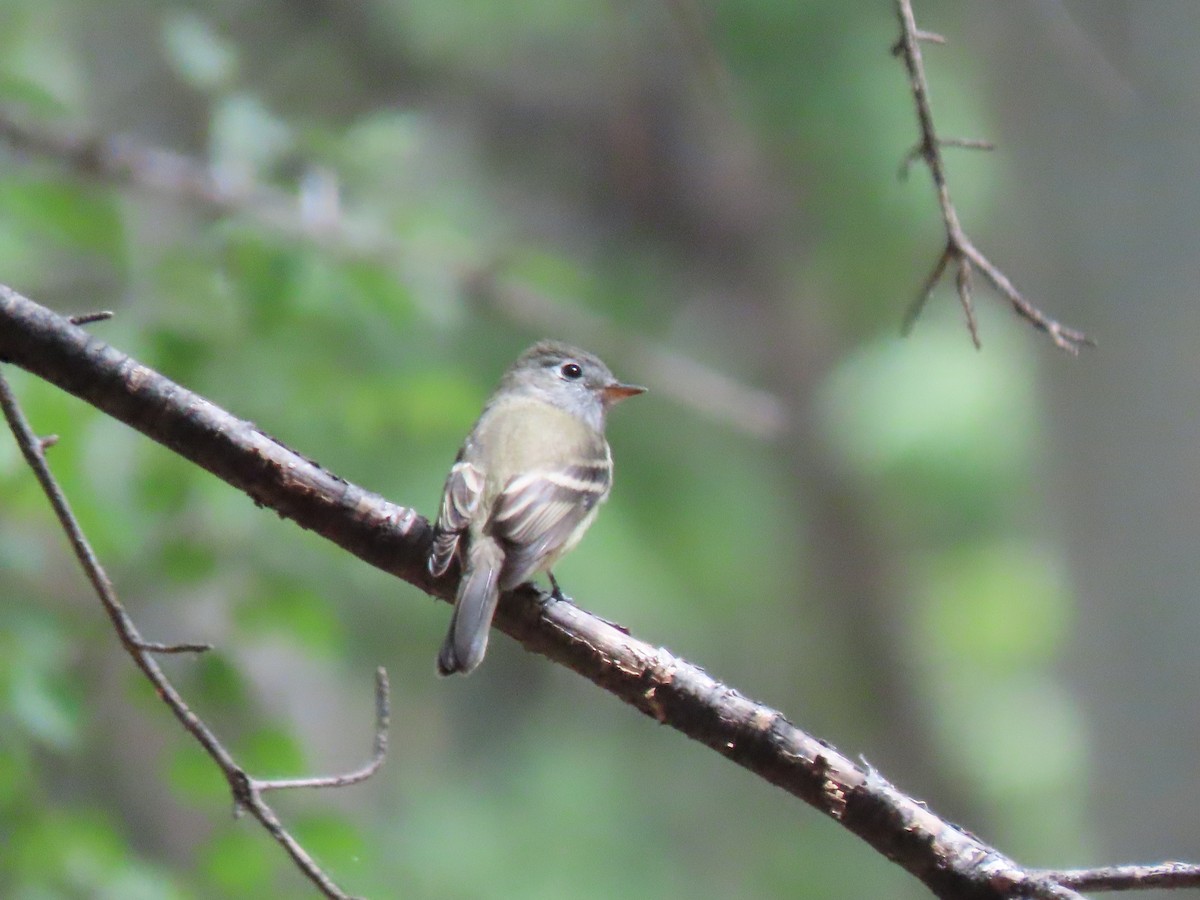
[239,862]
[77,849]
[164,484]
[997,721]
[946,406]
[14,774]
[47,710]
[1000,606]
[247,137]
[194,775]
[219,681]
[286,608]
[75,216]
[185,559]
[417,403]
[262,275]
[29,96]
[38,693]
[331,839]
[199,54]
[380,289]
[271,753]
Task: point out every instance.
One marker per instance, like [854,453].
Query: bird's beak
[615,393]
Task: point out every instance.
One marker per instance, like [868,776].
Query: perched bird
[525,486]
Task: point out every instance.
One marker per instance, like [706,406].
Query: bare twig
[125,161]
[917,151]
[247,791]
[382,718]
[151,647]
[952,862]
[89,318]
[959,248]
[1167,875]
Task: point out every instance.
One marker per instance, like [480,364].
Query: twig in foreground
[247,791]
[959,249]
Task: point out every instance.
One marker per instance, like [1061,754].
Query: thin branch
[959,248]
[1166,876]
[951,861]
[383,716]
[917,152]
[151,647]
[967,144]
[127,162]
[247,792]
[89,318]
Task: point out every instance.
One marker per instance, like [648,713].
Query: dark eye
[572,371]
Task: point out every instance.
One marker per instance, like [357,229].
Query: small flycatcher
[525,486]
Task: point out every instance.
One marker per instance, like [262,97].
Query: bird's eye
[572,371]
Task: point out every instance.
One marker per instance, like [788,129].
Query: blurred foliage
[749,219]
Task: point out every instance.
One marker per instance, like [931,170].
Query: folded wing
[542,514]
[460,500]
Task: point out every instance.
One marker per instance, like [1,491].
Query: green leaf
[294,611]
[380,289]
[1003,606]
[240,863]
[164,484]
[199,54]
[46,709]
[271,753]
[218,681]
[331,839]
[195,776]
[40,696]
[71,850]
[263,276]
[14,775]
[184,560]
[29,96]
[78,217]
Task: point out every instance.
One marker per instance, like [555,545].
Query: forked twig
[247,791]
[959,249]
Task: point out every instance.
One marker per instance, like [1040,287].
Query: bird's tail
[474,607]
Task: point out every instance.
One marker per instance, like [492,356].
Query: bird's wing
[460,500]
[541,514]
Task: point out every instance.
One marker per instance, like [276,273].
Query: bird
[525,487]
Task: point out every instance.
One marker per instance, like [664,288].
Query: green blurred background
[978,570]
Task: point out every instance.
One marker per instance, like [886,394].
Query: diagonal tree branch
[959,249]
[952,862]
[247,791]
